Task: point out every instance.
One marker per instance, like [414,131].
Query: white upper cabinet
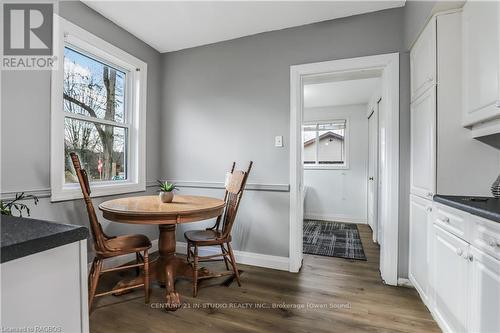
[484,299]
[423,145]
[423,61]
[481,61]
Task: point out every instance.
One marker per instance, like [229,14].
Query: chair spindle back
[234,191]
[95,226]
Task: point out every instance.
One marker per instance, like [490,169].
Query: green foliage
[166,186]
[7,207]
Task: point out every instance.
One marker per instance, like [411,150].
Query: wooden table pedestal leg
[167,265]
[170,267]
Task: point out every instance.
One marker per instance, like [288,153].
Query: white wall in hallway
[340,194]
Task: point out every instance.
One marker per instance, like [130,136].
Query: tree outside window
[95,119]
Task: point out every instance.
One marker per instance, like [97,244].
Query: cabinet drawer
[486,235]
[452,220]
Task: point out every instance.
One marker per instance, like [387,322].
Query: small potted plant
[166,191]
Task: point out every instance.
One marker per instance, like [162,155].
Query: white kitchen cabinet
[481,61]
[46,291]
[423,145]
[484,292]
[420,219]
[423,61]
[450,280]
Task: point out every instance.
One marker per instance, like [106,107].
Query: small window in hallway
[325,144]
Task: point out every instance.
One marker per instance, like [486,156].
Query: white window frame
[69,34]
[317,166]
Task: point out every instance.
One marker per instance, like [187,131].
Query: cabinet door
[420,211]
[484,300]
[423,145]
[450,277]
[481,58]
[423,61]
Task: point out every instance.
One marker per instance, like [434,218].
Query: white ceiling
[340,92]
[175,25]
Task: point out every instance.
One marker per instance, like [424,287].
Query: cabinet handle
[429,209]
[459,251]
[430,194]
[497,103]
[444,220]
[468,257]
[493,243]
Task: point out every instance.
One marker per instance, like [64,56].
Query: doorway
[373,170]
[388,120]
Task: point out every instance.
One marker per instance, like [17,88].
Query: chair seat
[205,237]
[129,243]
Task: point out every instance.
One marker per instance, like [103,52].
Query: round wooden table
[150,210]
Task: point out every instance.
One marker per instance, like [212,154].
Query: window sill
[326,167]
[73,192]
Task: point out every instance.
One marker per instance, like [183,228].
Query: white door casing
[388,64]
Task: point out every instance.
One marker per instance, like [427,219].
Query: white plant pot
[166,196]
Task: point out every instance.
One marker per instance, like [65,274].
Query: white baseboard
[245,258]
[242,257]
[402,282]
[336,218]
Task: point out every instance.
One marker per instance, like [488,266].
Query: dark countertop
[487,207]
[21,237]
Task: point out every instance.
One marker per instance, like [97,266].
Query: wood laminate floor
[328,295]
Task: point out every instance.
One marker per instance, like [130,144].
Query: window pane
[308,141]
[101,149]
[334,125]
[331,146]
[92,88]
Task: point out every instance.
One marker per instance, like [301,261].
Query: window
[325,144]
[98,111]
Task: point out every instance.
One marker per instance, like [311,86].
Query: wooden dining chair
[110,246]
[220,233]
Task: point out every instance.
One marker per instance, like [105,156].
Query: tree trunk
[109,78]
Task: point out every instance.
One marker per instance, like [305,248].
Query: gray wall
[228,100]
[404,164]
[416,15]
[25,123]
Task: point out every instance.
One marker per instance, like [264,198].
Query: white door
[481,57]
[450,277]
[373,171]
[423,145]
[420,212]
[484,301]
